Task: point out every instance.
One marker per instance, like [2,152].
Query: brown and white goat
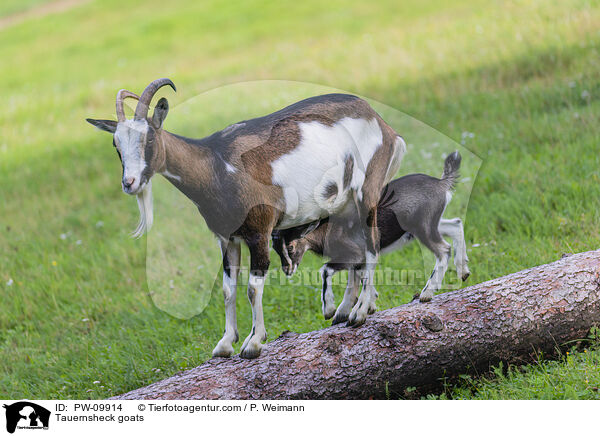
[411,206]
[326,156]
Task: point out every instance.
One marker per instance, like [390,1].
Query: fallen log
[509,319]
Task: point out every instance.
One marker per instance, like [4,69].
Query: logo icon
[26,415]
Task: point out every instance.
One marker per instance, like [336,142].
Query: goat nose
[128,181]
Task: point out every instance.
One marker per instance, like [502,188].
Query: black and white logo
[26,415]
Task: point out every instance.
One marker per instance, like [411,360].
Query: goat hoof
[223,350]
[251,351]
[339,318]
[356,319]
[465,276]
[372,309]
[327,314]
[425,298]
[351,320]
[224,347]
[356,322]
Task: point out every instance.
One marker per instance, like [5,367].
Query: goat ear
[106,125]
[160,113]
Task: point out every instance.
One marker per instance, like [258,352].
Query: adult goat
[326,156]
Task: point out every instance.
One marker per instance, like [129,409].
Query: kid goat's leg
[454,229]
[350,296]
[231,269]
[259,266]
[441,250]
[386,159]
[366,301]
[327,298]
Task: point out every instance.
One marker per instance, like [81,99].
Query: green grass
[574,375]
[523,77]
[13,7]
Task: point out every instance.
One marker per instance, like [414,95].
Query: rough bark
[510,319]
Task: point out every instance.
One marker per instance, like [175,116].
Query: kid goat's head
[138,144]
[138,141]
[290,252]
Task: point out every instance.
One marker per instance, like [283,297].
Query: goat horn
[141,111]
[122,95]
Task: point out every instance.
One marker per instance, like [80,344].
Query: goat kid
[325,156]
[411,206]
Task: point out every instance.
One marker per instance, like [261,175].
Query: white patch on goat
[448,197]
[144,200]
[398,154]
[229,290]
[327,297]
[435,281]
[448,200]
[130,138]
[350,296]
[454,229]
[171,176]
[368,294]
[318,161]
[252,344]
[230,168]
[398,243]
[225,346]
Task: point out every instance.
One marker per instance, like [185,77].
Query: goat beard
[144,200]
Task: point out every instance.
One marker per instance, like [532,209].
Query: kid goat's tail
[451,173]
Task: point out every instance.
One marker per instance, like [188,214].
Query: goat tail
[451,170]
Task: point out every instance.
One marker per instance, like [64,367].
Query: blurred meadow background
[514,85]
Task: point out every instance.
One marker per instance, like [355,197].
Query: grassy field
[516,83]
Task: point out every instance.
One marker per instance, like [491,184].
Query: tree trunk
[510,319]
